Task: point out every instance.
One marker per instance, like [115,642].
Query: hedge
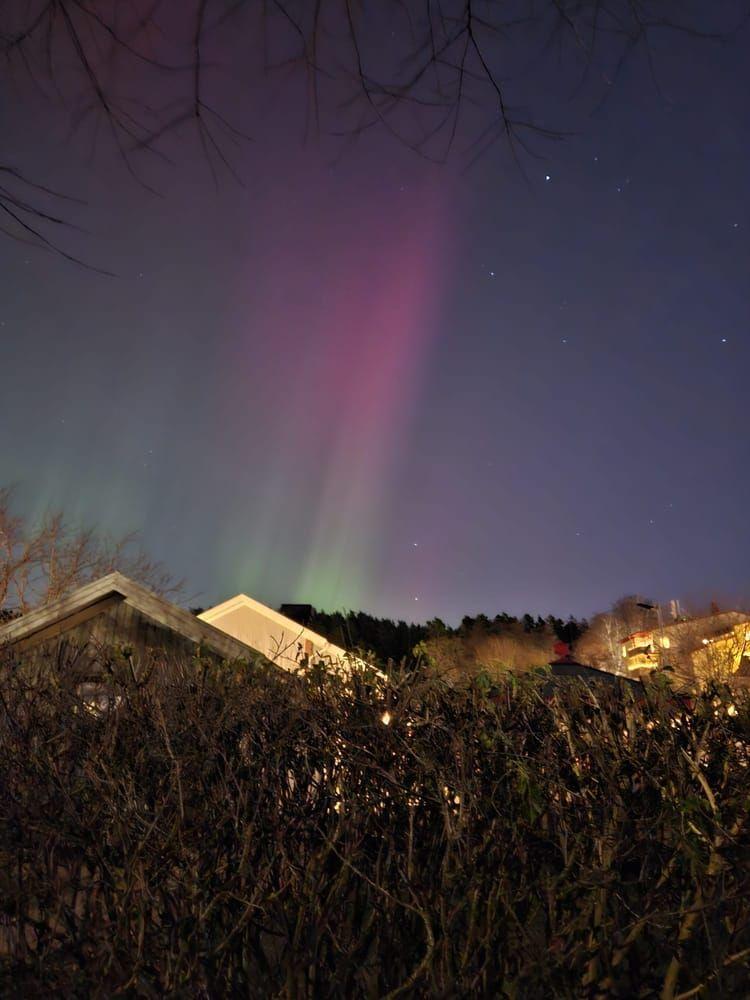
[234,831]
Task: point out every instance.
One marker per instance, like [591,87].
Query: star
[723,340]
[492,274]
[547,178]
[415,544]
[564,340]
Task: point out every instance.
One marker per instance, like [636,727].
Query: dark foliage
[396,641]
[235,832]
[388,639]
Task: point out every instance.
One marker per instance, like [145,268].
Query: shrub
[226,831]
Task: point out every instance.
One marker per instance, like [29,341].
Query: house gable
[116,609]
[277,637]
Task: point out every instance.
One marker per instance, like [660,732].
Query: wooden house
[116,611]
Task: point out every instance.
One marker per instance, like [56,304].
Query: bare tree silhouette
[424,72]
[44,561]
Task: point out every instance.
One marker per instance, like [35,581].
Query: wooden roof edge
[77,600]
[158,609]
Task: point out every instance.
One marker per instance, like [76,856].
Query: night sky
[365,380]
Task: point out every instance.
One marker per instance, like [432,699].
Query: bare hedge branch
[231,831]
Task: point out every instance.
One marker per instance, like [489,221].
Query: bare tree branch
[40,563]
[413,68]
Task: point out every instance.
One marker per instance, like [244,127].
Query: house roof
[159,610]
[288,624]
[327,649]
[566,666]
[722,620]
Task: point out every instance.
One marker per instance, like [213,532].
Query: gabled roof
[329,652]
[288,624]
[157,609]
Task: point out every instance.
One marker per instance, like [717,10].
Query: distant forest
[397,640]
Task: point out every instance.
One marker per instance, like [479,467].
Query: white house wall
[279,638]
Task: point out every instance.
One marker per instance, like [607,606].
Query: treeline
[398,640]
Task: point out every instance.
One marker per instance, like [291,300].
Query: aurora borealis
[362,379]
[346,374]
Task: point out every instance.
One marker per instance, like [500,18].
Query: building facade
[709,647]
